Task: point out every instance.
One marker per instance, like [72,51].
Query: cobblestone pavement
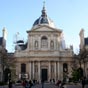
[47,85]
[75,86]
[12,87]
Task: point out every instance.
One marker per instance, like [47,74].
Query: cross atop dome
[44,10]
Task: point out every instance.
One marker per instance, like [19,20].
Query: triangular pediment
[46,28]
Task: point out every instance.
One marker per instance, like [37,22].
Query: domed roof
[43,19]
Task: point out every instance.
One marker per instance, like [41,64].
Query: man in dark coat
[83,82]
[42,82]
[10,84]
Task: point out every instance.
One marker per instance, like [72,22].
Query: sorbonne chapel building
[44,56]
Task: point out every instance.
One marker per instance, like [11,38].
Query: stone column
[33,39]
[58,67]
[61,70]
[49,75]
[49,43]
[55,70]
[39,43]
[33,69]
[27,69]
[39,72]
[30,70]
[32,42]
[54,43]
[17,70]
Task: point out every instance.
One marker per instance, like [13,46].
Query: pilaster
[39,71]
[33,69]
[55,70]
[49,71]
[30,70]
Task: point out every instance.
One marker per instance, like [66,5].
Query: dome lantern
[44,11]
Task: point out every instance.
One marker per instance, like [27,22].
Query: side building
[44,56]
[84,53]
[3,52]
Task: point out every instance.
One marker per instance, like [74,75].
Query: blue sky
[68,15]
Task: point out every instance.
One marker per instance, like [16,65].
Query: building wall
[38,58]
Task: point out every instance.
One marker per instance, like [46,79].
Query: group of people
[24,83]
[52,81]
[82,81]
[60,84]
[28,84]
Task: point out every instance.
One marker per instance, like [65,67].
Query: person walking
[10,84]
[83,82]
[27,85]
[42,81]
[23,84]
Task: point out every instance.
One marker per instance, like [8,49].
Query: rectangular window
[23,68]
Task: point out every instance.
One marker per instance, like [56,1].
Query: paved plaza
[74,86]
[48,85]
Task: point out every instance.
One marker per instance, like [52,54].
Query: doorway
[44,74]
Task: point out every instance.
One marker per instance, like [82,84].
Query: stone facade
[45,56]
[84,53]
[3,52]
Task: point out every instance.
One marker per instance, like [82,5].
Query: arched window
[23,68]
[36,45]
[44,42]
[51,45]
[65,67]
